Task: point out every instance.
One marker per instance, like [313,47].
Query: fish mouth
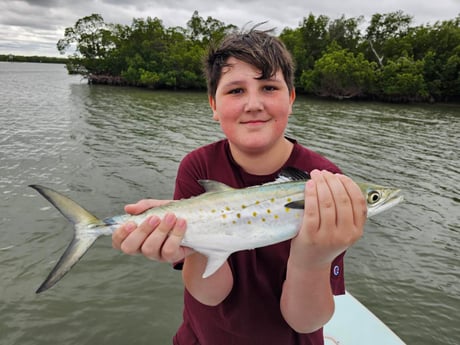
[395,198]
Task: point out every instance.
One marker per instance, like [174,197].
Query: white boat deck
[354,324]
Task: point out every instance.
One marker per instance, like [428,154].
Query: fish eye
[373,197]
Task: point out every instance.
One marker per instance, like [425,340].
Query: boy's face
[253,113]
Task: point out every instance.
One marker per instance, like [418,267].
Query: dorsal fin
[292,174]
[213,186]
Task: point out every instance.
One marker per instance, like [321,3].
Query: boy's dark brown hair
[255,47]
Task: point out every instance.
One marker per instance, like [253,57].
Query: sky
[33,27]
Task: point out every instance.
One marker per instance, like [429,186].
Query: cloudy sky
[32,27]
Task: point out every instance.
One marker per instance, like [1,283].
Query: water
[107,146]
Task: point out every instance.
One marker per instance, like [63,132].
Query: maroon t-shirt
[251,312]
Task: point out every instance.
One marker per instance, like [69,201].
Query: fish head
[379,198]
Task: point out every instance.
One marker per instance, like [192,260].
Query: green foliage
[206,31]
[92,40]
[345,32]
[148,78]
[385,26]
[310,40]
[402,80]
[143,54]
[389,60]
[450,75]
[340,73]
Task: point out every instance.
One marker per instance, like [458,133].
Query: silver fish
[221,221]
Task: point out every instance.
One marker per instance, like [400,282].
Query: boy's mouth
[254,122]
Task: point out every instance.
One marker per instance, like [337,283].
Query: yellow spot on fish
[224,216]
[234,222]
[238,215]
[263,219]
[257,202]
[243,206]
[269,211]
[276,216]
[213,211]
[254,214]
[249,222]
[289,199]
[272,199]
[227,208]
[287,209]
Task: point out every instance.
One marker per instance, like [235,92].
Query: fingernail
[180,223]
[154,221]
[169,218]
[129,227]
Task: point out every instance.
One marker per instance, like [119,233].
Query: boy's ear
[212,103]
[292,98]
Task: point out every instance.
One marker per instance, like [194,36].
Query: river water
[108,146]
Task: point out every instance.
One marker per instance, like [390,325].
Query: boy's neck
[266,162]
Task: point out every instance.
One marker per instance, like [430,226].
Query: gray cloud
[33,27]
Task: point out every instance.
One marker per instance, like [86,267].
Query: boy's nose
[253,103]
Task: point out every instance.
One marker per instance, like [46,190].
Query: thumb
[143,205]
[137,208]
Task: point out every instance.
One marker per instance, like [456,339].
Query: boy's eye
[270,88]
[235,91]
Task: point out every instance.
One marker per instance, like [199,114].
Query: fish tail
[85,233]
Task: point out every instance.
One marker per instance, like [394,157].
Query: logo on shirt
[336,270]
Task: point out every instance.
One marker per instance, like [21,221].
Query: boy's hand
[335,214]
[155,238]
[144,204]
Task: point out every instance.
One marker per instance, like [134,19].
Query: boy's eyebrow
[271,78]
[240,82]
[233,82]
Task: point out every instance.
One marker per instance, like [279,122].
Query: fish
[221,221]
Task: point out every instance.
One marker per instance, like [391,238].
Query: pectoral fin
[215,261]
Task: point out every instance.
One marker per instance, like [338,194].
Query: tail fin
[85,225]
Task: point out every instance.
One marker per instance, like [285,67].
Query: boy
[280,294]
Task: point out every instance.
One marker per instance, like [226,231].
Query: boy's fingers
[153,244]
[121,233]
[359,203]
[172,250]
[133,243]
[311,206]
[326,203]
[342,202]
